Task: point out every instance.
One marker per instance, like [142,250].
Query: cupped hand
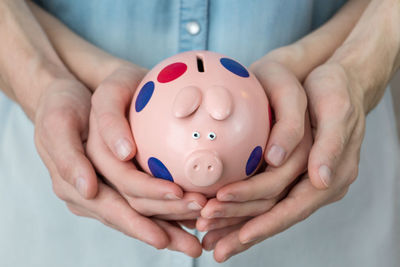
[111,147]
[338,124]
[61,128]
[256,195]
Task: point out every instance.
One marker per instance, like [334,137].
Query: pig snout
[203,168]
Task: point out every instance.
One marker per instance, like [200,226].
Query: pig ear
[218,103]
[186,101]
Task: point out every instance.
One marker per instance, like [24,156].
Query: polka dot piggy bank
[201,120]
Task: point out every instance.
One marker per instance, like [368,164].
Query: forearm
[370,54]
[315,48]
[86,61]
[28,62]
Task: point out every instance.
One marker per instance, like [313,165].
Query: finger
[218,209]
[124,175]
[150,207]
[229,245]
[190,224]
[225,242]
[110,103]
[302,201]
[110,208]
[212,237]
[294,208]
[273,181]
[180,240]
[178,217]
[203,224]
[289,102]
[79,211]
[332,113]
[59,134]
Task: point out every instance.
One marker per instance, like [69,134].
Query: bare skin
[249,209]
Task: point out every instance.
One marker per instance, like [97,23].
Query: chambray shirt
[37,230]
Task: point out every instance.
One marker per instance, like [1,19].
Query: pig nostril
[210,168]
[196,167]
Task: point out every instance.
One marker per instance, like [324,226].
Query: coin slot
[200,64]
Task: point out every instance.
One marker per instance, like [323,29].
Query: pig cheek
[254,160]
[158,169]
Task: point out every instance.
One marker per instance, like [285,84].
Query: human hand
[338,121]
[239,201]
[61,126]
[300,58]
[111,147]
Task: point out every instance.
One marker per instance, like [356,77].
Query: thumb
[110,104]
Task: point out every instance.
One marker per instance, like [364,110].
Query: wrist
[370,54]
[38,74]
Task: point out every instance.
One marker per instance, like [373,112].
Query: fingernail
[325,175]
[171,196]
[81,186]
[276,155]
[250,240]
[228,197]
[123,148]
[194,206]
[216,214]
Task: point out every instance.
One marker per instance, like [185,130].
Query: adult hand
[111,147]
[300,59]
[242,200]
[61,126]
[338,121]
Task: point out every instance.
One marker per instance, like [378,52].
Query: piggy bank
[201,120]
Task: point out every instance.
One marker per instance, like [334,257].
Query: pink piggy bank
[201,120]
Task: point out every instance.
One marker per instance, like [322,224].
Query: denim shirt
[145,32]
[36,229]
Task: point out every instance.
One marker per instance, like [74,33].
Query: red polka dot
[171,72]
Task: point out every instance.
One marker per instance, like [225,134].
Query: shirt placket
[193,25]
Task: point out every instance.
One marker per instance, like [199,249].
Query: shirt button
[193,27]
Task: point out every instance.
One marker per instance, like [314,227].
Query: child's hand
[111,147]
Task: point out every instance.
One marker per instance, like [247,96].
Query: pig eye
[196,135]
[211,136]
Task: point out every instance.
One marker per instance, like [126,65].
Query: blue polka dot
[144,96]
[253,160]
[158,169]
[234,67]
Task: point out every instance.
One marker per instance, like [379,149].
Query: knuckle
[140,208]
[60,117]
[304,213]
[294,130]
[353,175]
[106,219]
[114,88]
[107,216]
[59,192]
[65,170]
[335,146]
[341,103]
[341,195]
[337,103]
[74,210]
[106,121]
